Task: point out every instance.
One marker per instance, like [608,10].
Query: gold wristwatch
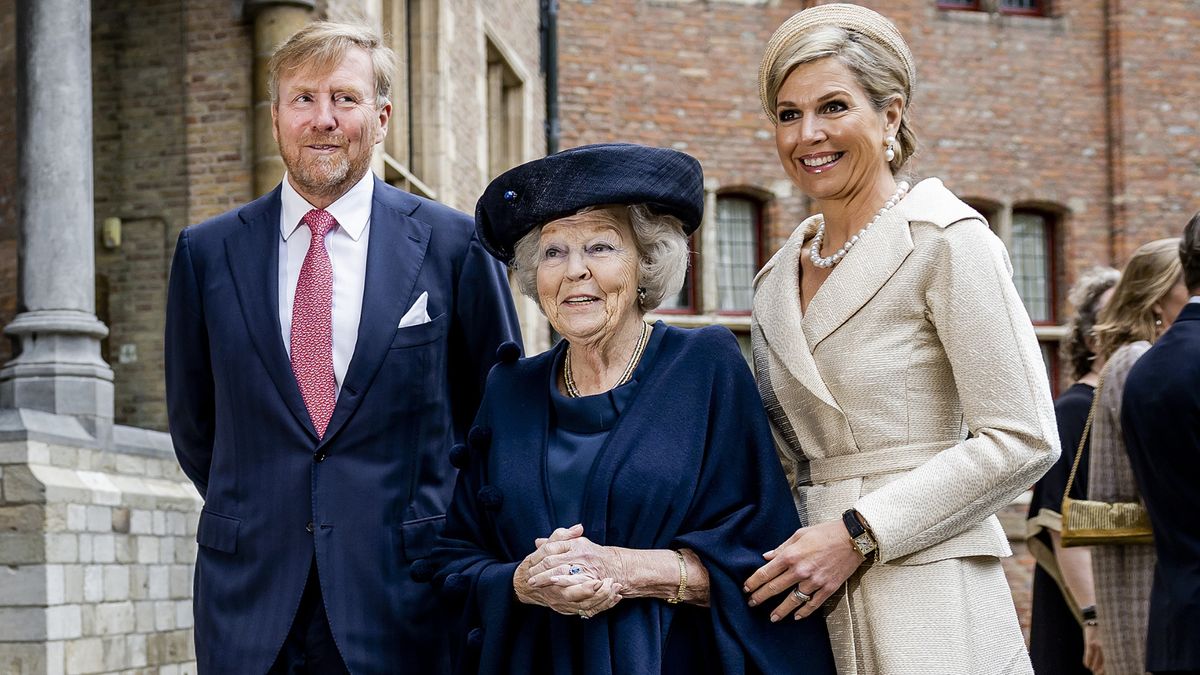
[860,536]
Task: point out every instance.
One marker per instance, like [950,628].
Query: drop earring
[890,152]
[641,292]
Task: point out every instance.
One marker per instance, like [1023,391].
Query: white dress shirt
[347,246]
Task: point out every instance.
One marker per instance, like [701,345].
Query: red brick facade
[1087,113]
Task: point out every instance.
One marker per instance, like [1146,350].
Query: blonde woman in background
[1144,304]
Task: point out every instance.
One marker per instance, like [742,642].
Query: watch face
[864,543]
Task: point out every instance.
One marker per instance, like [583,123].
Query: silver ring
[800,596]
[575,569]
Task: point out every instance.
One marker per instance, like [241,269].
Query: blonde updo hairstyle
[865,42]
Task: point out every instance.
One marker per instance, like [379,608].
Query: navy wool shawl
[689,464]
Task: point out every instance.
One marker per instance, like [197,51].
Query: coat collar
[852,284]
[398,244]
[777,312]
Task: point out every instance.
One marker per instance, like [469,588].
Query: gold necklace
[634,359]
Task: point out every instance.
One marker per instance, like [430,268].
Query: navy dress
[1055,636]
[578,429]
[679,457]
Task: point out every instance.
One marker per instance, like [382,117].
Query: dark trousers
[309,648]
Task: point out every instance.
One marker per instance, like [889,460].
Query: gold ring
[582,614]
[800,596]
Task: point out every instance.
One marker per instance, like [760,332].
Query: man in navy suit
[325,347]
[1161,419]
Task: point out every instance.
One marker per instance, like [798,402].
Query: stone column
[58,367]
[274,22]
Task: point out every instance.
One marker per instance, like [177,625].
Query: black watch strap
[853,526]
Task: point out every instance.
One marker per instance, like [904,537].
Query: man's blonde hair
[322,45]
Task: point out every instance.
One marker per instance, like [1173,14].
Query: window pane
[1031,263]
[1022,5]
[966,4]
[737,252]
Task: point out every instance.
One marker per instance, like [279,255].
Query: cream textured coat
[916,338]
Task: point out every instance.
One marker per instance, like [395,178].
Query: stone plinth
[97,547]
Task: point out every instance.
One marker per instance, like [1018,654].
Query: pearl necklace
[814,252]
[634,359]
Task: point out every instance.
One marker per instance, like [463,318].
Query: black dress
[1055,636]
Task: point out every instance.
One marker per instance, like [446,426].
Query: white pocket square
[417,314]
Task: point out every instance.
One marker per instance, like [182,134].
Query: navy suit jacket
[1161,419]
[368,498]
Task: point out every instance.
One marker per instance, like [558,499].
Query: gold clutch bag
[1087,523]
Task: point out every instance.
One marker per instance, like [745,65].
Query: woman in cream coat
[903,380]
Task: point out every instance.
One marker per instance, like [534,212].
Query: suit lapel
[858,277]
[394,257]
[253,255]
[777,311]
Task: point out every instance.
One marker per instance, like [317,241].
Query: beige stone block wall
[97,549]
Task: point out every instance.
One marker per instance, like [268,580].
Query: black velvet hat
[533,194]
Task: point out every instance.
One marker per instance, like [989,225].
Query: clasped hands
[570,574]
[816,560]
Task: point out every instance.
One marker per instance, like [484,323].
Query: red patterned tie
[312,324]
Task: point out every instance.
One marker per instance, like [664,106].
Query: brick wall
[217,109]
[677,74]
[1157,121]
[96,555]
[140,177]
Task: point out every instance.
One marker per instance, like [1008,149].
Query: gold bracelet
[682,580]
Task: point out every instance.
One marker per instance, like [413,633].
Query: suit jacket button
[319,457]
[309,527]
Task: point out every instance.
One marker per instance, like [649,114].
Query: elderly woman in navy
[617,489]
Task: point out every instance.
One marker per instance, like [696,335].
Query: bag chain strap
[1087,427]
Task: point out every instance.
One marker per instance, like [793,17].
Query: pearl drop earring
[890,153]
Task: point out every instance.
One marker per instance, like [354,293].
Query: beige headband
[854,18]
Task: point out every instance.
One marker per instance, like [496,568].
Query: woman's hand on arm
[816,559]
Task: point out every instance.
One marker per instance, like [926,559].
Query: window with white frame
[1032,253]
[738,223]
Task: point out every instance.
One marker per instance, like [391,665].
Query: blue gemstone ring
[574,569]
[510,196]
